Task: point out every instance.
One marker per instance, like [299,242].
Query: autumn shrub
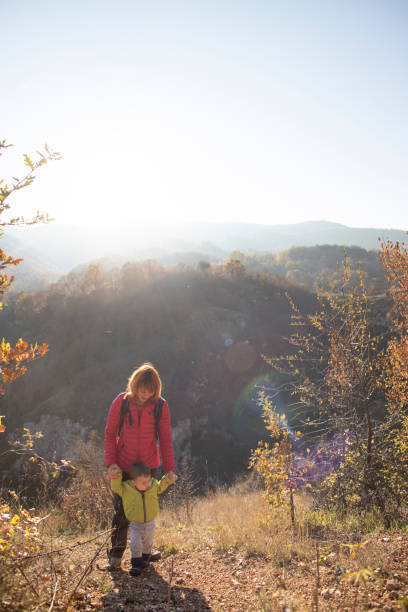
[38,480]
[282,469]
[41,569]
[87,503]
[19,539]
[349,490]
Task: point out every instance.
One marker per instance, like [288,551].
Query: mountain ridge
[63,247]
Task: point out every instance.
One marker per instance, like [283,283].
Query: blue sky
[267,112]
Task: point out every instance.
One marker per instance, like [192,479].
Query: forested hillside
[318,266]
[205,329]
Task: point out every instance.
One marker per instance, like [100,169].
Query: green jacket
[139,507]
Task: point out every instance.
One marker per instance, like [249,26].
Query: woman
[138,419]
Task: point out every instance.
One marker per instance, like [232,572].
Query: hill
[205,331]
[318,266]
[65,246]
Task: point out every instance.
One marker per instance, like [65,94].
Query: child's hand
[113,470]
[172,477]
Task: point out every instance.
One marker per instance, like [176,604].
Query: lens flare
[247,406]
[318,459]
[240,357]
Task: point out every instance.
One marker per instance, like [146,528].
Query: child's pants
[141,537]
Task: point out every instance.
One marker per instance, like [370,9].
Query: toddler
[141,506]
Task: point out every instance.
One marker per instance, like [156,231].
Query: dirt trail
[221,581]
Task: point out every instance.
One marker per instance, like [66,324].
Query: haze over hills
[36,270]
[56,249]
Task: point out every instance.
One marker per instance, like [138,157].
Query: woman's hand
[172,477]
[113,470]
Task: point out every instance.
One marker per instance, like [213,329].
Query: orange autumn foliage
[14,358]
[394,257]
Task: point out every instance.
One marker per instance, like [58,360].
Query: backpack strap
[157,414]
[124,410]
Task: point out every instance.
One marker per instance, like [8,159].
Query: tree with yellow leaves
[281,468]
[336,368]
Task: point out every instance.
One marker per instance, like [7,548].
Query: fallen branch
[170,581]
[53,596]
[28,582]
[317,586]
[58,550]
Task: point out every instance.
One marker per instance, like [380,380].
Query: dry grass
[236,519]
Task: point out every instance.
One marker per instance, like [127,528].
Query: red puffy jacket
[137,442]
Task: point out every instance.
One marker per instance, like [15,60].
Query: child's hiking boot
[145,559]
[114,564]
[137,566]
[155,556]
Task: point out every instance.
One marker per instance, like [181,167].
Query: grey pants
[141,537]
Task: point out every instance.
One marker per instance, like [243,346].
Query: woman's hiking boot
[137,566]
[145,559]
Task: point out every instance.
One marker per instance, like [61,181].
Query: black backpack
[124,410]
